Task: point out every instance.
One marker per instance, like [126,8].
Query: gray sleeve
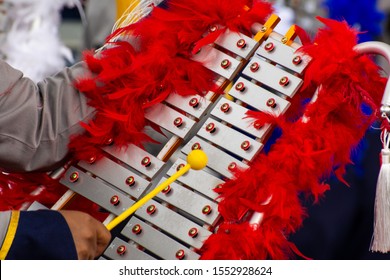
[101,16]
[4,222]
[36,121]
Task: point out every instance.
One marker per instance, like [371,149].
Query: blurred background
[40,37]
[84,24]
[369,16]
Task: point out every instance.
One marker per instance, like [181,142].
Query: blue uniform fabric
[42,235]
[361,14]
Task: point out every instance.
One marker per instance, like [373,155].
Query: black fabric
[42,235]
[340,226]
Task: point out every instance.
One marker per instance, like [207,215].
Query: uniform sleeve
[36,121]
[8,225]
[5,218]
[36,235]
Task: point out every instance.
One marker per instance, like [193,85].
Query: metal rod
[382,49]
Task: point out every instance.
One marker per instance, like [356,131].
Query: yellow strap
[9,238]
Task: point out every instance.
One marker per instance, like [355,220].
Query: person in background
[36,121]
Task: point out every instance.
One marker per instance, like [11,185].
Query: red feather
[128,80]
[307,152]
[125,80]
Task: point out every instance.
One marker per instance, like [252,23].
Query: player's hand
[90,236]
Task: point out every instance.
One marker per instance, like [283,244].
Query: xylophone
[261,73]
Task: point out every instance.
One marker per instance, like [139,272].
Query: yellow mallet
[196,159]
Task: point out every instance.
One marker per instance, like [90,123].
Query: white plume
[32,43]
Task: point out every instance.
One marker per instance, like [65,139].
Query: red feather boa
[125,80]
[305,154]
